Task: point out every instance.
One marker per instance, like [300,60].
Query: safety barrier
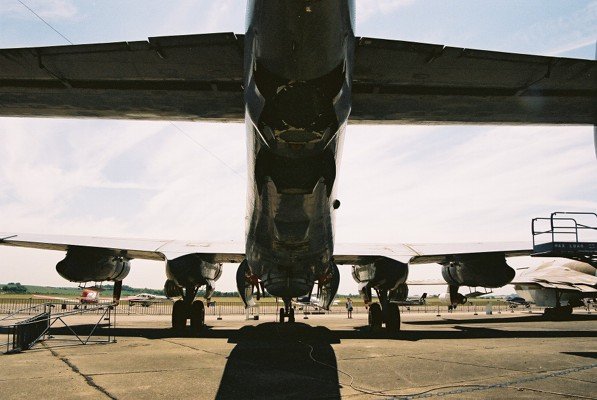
[217,308]
[24,331]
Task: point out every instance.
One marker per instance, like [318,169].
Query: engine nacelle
[92,265]
[486,270]
[382,274]
[193,270]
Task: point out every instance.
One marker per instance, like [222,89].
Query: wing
[192,77]
[147,249]
[199,77]
[548,276]
[425,253]
[407,82]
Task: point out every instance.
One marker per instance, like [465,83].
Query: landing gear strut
[287,311]
[188,308]
[384,312]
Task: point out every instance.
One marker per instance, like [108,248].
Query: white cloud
[367,9]
[50,10]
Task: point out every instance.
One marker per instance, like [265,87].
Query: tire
[197,316]
[393,318]
[282,315]
[291,315]
[375,316]
[179,315]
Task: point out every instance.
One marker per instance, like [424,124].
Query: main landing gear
[559,312]
[384,312]
[188,308]
[287,311]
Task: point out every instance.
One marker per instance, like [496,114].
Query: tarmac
[454,356]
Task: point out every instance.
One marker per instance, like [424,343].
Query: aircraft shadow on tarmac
[274,360]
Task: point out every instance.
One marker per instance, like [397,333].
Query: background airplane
[145,299]
[514,300]
[89,295]
[559,285]
[413,300]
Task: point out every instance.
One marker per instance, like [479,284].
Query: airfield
[457,355]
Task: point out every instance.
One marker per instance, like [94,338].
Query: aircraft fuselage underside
[298,60]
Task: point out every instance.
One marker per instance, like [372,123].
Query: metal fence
[8,306]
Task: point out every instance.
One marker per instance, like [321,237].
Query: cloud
[50,10]
[367,9]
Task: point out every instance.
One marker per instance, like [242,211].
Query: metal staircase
[566,234]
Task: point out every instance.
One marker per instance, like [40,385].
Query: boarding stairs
[26,327]
[570,235]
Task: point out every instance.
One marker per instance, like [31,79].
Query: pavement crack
[88,378]
[195,348]
[148,371]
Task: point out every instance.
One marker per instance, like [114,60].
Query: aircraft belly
[289,224]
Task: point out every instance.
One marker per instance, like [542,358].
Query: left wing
[190,77]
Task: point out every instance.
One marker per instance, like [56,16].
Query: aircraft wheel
[291,315]
[375,316]
[179,315]
[567,311]
[282,315]
[197,316]
[393,318]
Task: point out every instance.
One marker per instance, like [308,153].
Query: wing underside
[199,77]
[233,252]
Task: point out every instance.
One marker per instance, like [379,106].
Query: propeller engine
[482,270]
[83,264]
[381,274]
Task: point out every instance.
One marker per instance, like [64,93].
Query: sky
[413,184]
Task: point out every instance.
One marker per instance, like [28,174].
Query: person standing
[349,307]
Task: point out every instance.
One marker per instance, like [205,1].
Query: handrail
[555,228]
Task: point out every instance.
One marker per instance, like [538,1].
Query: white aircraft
[145,299]
[559,285]
[312,301]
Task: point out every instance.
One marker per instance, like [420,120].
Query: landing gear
[197,316]
[375,317]
[287,311]
[188,308]
[558,313]
[384,312]
[392,318]
[179,315]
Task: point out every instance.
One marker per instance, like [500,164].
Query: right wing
[145,249]
[412,83]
